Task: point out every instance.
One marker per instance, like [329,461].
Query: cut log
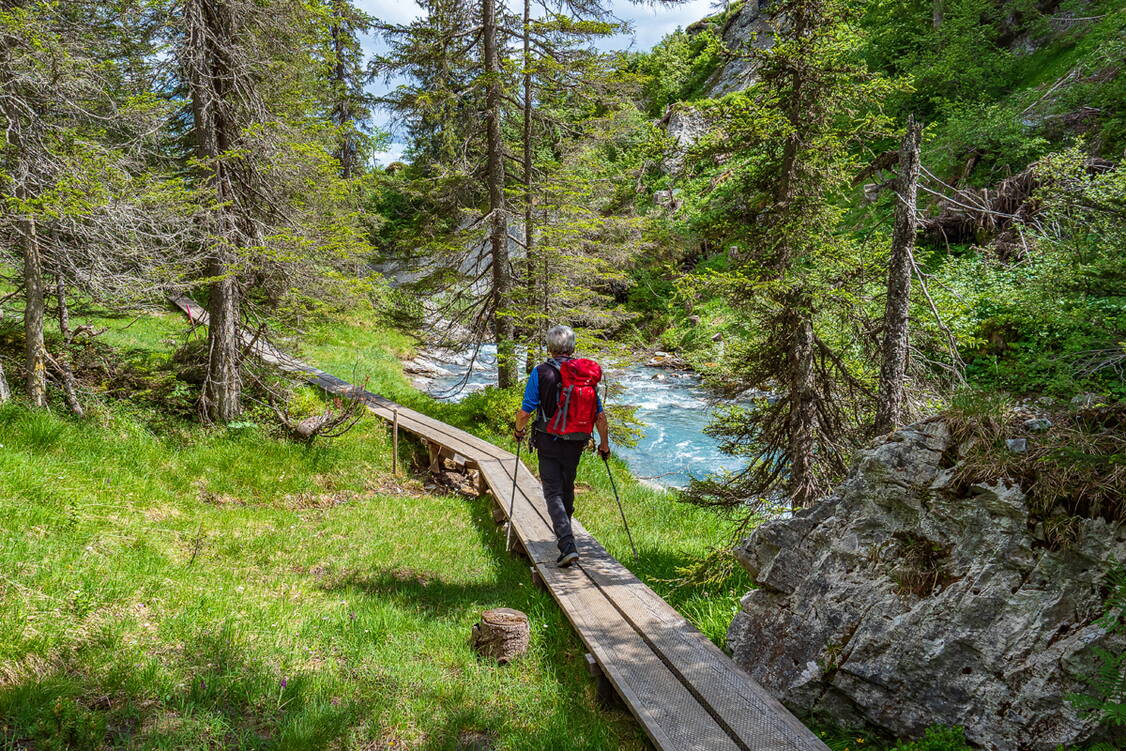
[501,634]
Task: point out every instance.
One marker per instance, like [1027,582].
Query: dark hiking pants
[557,474]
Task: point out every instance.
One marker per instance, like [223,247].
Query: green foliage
[1056,321]
[935,738]
[963,59]
[995,134]
[677,68]
[491,408]
[1105,696]
[938,739]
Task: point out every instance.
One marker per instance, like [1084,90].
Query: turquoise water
[672,405]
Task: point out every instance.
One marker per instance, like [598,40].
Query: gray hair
[560,340]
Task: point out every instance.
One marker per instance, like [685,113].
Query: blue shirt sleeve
[532,392]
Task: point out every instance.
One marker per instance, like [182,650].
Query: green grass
[226,589]
[165,585]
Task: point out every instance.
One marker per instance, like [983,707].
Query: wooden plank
[671,716]
[536,537]
[737,701]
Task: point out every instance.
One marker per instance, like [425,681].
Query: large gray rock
[899,602]
[746,29]
[749,28]
[685,126]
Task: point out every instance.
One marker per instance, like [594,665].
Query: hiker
[562,393]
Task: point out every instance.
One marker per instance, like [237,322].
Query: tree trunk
[803,408]
[502,634]
[223,388]
[35,351]
[529,234]
[342,115]
[209,41]
[5,392]
[64,309]
[62,361]
[893,365]
[498,225]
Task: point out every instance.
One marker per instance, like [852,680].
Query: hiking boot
[567,559]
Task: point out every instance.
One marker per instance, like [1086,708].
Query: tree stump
[502,634]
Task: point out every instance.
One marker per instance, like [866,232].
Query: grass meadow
[169,586]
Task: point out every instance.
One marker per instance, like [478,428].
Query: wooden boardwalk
[684,690]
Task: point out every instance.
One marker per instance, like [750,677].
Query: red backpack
[578,399]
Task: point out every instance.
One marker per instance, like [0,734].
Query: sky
[650,23]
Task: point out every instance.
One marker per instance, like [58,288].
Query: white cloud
[393,154]
[652,22]
[390,11]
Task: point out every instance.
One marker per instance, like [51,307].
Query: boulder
[904,600]
[666,360]
[685,127]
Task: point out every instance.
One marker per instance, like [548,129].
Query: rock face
[685,126]
[750,27]
[899,602]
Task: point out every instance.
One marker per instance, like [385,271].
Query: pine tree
[570,93]
[453,108]
[276,220]
[787,147]
[84,205]
[472,117]
[349,103]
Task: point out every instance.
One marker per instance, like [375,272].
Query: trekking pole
[512,501]
[622,511]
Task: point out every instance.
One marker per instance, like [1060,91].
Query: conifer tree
[471,118]
[349,102]
[777,204]
[257,147]
[453,108]
[84,205]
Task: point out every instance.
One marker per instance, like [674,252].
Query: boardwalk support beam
[604,690]
[537,580]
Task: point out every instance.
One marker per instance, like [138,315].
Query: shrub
[1106,687]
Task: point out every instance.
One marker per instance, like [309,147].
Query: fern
[1106,687]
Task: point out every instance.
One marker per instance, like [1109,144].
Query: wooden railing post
[395,442]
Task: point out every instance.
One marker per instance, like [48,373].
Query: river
[672,406]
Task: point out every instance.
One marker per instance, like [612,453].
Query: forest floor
[165,585]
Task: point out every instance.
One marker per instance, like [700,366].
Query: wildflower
[284,683]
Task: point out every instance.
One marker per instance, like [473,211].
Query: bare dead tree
[336,420]
[893,365]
